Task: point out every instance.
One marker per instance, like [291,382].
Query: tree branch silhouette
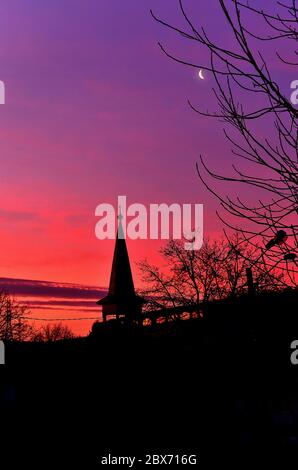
[248,97]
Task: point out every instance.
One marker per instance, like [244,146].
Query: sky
[95,110]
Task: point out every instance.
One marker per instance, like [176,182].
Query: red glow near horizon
[91,115]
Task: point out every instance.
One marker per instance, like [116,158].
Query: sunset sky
[95,110]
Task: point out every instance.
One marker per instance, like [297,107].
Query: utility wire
[61,319]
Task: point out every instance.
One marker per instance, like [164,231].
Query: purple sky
[94,110]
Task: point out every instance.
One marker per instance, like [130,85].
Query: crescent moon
[201,76]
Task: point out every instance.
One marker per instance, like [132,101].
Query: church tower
[121,302]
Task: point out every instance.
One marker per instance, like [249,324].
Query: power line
[59,319]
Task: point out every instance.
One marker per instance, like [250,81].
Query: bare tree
[248,97]
[54,332]
[13,319]
[217,271]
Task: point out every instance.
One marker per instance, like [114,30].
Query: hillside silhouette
[220,381]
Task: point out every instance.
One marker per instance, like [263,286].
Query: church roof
[121,287]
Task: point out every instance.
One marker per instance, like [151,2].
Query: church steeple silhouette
[121,301]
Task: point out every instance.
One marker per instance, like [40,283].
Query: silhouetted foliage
[248,98]
[53,332]
[216,271]
[13,324]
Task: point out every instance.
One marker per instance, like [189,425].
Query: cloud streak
[38,288]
